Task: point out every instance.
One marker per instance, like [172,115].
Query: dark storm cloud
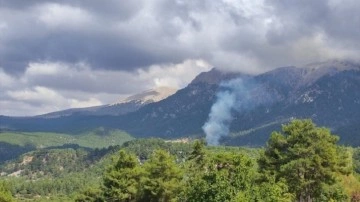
[136,34]
[41,37]
[116,35]
[69,50]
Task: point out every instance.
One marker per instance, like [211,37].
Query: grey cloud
[137,34]
[134,36]
[19,4]
[299,32]
[81,78]
[339,20]
[50,86]
[110,7]
[97,44]
[111,41]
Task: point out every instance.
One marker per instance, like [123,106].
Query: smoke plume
[234,96]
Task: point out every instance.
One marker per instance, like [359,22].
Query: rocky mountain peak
[214,76]
[314,71]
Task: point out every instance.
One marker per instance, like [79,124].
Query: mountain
[125,106]
[327,92]
[149,96]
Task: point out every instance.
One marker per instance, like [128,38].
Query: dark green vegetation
[60,174]
[13,144]
[54,174]
[97,138]
[308,160]
[301,163]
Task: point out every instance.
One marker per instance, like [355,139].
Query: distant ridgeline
[328,93]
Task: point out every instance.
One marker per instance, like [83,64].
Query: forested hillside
[13,144]
[301,162]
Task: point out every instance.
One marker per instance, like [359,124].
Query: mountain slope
[328,92]
[181,114]
[331,100]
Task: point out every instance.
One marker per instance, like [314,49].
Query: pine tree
[122,181]
[163,178]
[221,176]
[306,157]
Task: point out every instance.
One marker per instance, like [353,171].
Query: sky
[64,54]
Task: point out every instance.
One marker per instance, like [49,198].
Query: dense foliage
[306,158]
[5,194]
[300,163]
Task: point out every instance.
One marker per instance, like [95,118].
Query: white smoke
[234,95]
[219,118]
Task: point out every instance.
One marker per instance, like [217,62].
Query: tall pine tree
[163,178]
[122,181]
[306,157]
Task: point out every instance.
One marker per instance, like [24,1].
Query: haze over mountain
[326,92]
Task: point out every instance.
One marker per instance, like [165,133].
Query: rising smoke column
[219,118]
[234,95]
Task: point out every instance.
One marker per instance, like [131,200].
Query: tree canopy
[306,158]
[299,163]
[5,194]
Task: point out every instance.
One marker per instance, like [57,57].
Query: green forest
[301,162]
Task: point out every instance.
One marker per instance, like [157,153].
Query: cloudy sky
[74,53]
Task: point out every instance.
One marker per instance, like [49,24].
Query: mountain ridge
[325,93]
[124,106]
